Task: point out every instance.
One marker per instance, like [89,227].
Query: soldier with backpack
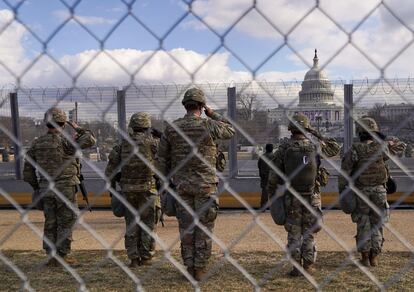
[297,158]
[138,186]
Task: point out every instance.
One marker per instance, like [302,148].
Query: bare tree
[248,103]
[377,111]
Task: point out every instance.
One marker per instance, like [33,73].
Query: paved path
[230,227]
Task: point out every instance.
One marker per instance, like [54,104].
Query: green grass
[268,269]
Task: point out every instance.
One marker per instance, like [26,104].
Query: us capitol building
[316,101]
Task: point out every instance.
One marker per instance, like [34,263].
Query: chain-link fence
[249,250]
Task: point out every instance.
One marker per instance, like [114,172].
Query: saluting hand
[208,111]
[73,124]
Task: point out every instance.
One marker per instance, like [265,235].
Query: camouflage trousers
[59,219]
[195,244]
[301,226]
[264,198]
[138,242]
[158,215]
[369,236]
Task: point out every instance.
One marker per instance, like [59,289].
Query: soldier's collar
[191,115]
[299,137]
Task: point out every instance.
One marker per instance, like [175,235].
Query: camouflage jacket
[136,173]
[54,155]
[353,162]
[264,168]
[329,147]
[175,155]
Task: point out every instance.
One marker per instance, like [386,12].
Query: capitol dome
[316,87]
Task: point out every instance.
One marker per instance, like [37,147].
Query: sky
[116,42]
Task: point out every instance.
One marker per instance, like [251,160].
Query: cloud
[116,9]
[109,67]
[277,76]
[115,66]
[402,11]
[12,51]
[380,36]
[284,14]
[86,20]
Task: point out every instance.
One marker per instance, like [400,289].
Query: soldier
[264,174]
[55,156]
[195,179]
[297,158]
[365,163]
[138,186]
[5,154]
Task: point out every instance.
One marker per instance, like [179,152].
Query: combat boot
[190,270]
[134,263]
[52,263]
[365,259]
[373,259]
[69,260]
[309,267]
[146,262]
[294,272]
[200,274]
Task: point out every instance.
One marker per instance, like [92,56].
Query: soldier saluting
[138,186]
[55,156]
[195,179]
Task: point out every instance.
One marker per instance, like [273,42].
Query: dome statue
[316,88]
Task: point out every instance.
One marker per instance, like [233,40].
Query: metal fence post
[232,106]
[348,121]
[120,101]
[14,108]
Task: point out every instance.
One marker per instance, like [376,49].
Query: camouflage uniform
[196,182]
[264,174]
[138,186]
[300,224]
[55,155]
[366,160]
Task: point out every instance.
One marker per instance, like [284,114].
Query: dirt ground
[267,270]
[253,250]
[238,229]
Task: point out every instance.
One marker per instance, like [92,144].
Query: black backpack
[301,166]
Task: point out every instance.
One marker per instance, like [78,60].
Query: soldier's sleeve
[220,128]
[114,161]
[273,179]
[85,138]
[29,171]
[395,147]
[163,156]
[155,145]
[330,147]
[347,166]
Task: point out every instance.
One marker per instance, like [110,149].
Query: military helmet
[194,94]
[55,115]
[301,120]
[365,124]
[140,120]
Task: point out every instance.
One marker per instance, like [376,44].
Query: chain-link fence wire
[164,103]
